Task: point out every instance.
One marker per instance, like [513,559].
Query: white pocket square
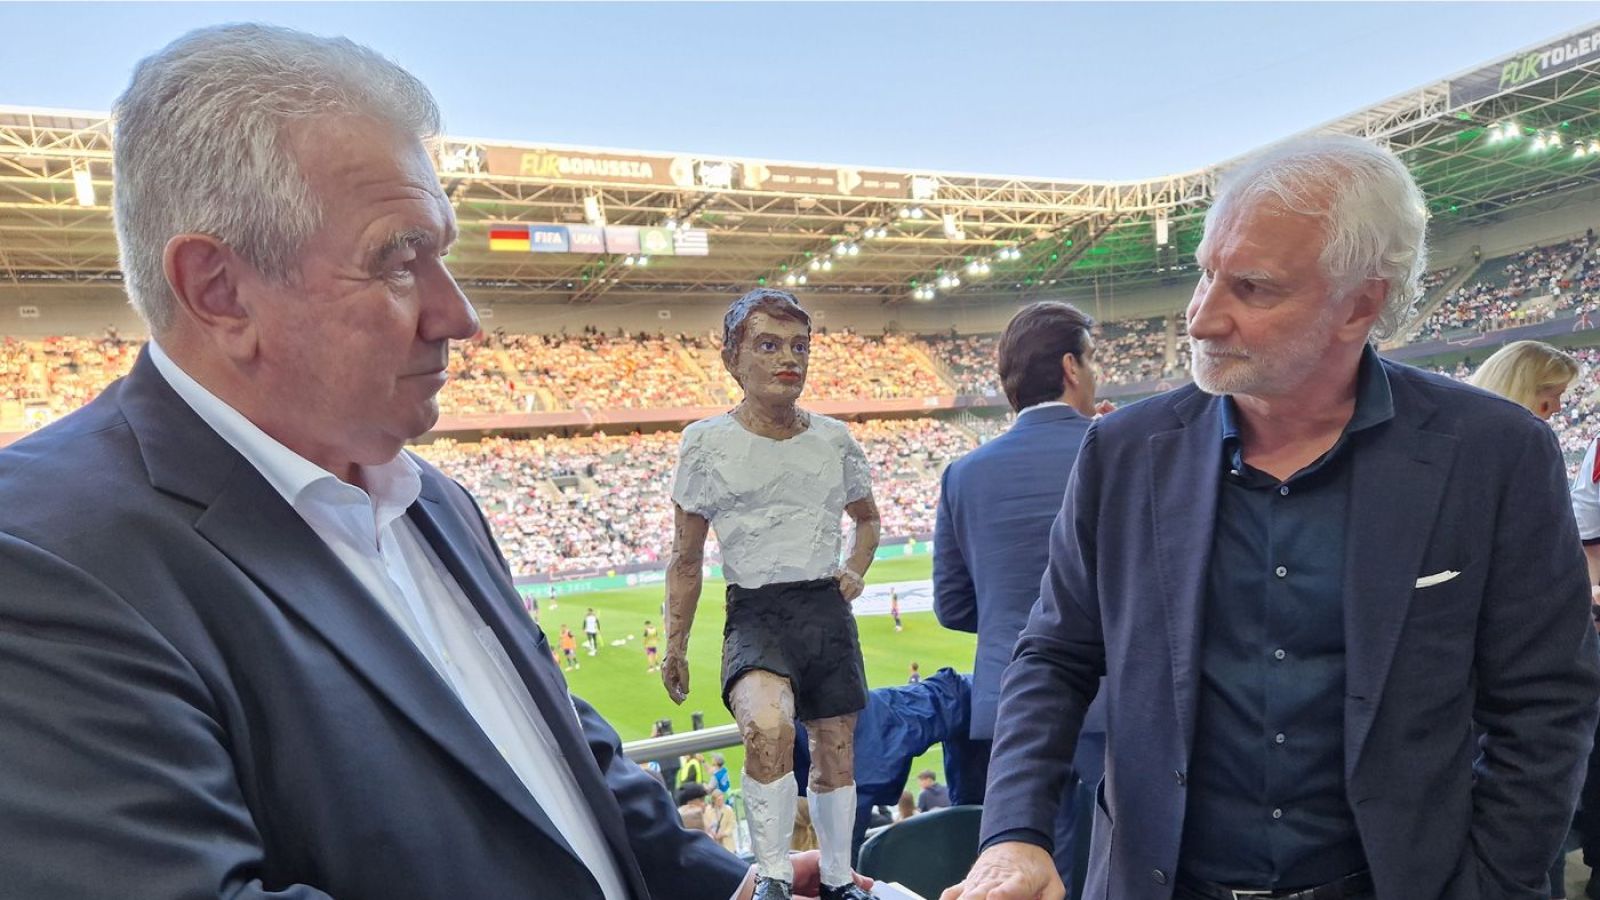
[1431,580]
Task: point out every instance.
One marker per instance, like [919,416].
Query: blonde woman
[1530,373]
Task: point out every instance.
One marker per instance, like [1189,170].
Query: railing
[675,745]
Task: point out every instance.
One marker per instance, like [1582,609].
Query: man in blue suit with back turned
[991,540]
[1311,581]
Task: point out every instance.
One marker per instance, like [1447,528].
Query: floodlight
[83,182]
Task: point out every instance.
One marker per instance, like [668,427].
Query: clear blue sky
[1084,90]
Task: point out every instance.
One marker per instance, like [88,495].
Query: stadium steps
[510,372]
[1541,303]
[688,361]
[919,355]
[1436,299]
[1494,270]
[939,366]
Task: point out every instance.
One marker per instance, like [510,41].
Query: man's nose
[446,313]
[1207,315]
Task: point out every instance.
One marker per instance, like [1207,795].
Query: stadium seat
[927,852]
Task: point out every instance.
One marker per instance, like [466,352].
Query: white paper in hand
[893,890]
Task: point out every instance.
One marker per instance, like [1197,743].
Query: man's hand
[1104,407]
[1011,870]
[675,675]
[850,585]
[807,877]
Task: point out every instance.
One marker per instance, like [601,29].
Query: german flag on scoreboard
[510,237]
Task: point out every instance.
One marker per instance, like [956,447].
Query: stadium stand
[566,505]
[1534,284]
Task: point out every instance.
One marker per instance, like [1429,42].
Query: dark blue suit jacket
[991,540]
[1459,481]
[199,701]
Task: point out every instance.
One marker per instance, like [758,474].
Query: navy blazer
[200,701]
[1458,482]
[991,540]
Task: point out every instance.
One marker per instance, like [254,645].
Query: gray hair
[201,145]
[1376,219]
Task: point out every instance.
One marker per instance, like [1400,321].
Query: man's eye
[766,346]
[802,348]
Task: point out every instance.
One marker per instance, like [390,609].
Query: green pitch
[616,682]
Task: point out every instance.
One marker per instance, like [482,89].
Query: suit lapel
[492,593]
[1398,479]
[267,539]
[1184,480]
[251,524]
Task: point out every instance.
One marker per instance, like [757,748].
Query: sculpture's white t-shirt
[774,505]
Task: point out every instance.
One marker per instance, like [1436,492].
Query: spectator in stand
[668,766]
[692,806]
[805,833]
[721,823]
[1529,373]
[694,769]
[719,773]
[933,795]
[906,808]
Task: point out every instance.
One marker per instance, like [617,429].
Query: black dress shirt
[1266,793]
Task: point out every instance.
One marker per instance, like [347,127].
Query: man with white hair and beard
[1309,580]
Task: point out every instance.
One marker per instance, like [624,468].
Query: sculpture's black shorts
[803,631]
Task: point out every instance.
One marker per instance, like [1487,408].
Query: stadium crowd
[42,380]
[583,504]
[1496,299]
[596,503]
[612,508]
[499,372]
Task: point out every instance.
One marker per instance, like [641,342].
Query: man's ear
[1369,297]
[204,275]
[1071,370]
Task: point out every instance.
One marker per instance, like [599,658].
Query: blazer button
[1159,876]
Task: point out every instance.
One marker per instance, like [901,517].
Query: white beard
[1264,372]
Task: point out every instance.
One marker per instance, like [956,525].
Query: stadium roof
[1514,132]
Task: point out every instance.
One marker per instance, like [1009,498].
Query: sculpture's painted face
[772,359]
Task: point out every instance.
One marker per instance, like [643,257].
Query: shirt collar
[392,486]
[1045,405]
[1374,406]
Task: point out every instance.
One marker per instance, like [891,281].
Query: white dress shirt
[381,547]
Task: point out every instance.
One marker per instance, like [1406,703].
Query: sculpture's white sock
[770,808]
[833,815]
